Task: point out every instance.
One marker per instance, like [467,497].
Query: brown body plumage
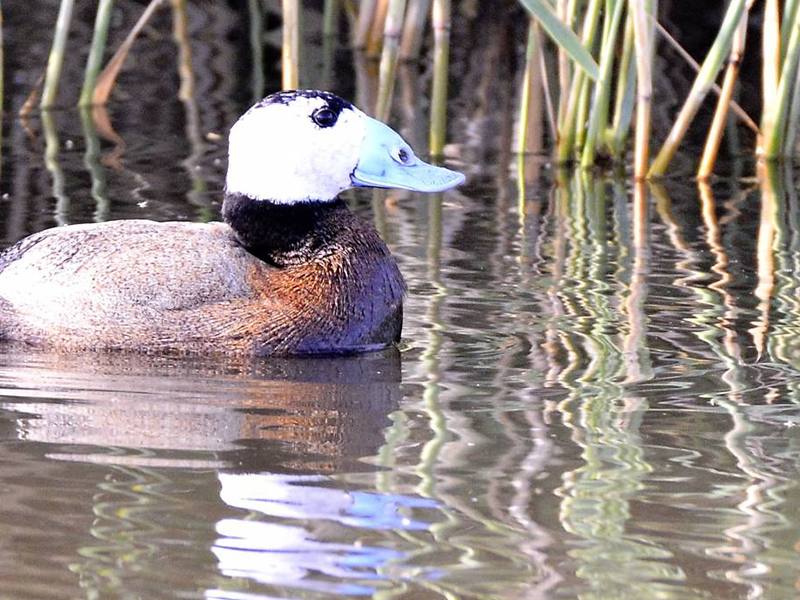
[329,286]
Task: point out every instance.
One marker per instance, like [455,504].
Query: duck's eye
[403,156]
[324,117]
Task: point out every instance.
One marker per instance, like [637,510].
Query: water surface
[595,397]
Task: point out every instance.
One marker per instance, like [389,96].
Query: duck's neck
[283,234]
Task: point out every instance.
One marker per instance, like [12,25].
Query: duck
[289,271]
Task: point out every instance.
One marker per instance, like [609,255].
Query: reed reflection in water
[597,397]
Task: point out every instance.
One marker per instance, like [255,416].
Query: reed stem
[770,64]
[375,39]
[644,43]
[567,124]
[95,60]
[702,84]
[774,139]
[624,97]
[724,101]
[56,59]
[290,47]
[599,112]
[105,82]
[441,60]
[414,29]
[531,58]
[257,48]
[366,14]
[794,116]
[389,54]
[789,12]
[563,64]
[329,17]
[2,74]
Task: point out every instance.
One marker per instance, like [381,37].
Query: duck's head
[301,146]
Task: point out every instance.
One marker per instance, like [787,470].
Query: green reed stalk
[389,54]
[794,116]
[714,138]
[257,48]
[598,116]
[2,73]
[567,125]
[581,116]
[527,78]
[563,63]
[441,60]
[329,17]
[789,13]
[56,59]
[775,139]
[702,84]
[643,38]
[95,60]
[290,47]
[414,29]
[624,97]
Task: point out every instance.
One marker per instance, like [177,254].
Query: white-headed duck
[291,271]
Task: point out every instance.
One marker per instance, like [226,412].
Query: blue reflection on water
[274,553]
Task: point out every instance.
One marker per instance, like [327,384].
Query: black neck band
[281,234]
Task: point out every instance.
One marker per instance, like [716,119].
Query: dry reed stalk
[366,15]
[441,60]
[530,106]
[771,70]
[414,29]
[643,43]
[548,97]
[702,84]
[723,102]
[735,107]
[106,79]
[290,47]
[389,54]
[56,59]
[375,39]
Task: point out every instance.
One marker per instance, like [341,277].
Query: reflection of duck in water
[299,540]
[291,271]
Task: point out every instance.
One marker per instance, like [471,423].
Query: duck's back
[117,284]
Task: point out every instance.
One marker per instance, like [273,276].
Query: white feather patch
[276,152]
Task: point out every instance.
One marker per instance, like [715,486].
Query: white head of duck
[305,146]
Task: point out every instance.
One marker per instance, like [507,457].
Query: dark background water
[595,397]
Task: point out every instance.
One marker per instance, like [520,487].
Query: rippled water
[596,395]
